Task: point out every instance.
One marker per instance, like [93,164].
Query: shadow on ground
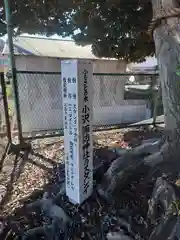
[12,167]
[132,201]
[56,183]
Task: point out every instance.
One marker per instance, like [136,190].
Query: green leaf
[115,28]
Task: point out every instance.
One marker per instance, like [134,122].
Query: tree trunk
[165,159]
[167,43]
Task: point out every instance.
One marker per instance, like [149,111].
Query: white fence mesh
[41,101]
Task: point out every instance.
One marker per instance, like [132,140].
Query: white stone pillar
[78,144]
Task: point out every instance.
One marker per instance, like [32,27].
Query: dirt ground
[21,175]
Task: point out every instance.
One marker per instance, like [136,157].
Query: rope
[161,19]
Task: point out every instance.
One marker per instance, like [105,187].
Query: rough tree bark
[167,42]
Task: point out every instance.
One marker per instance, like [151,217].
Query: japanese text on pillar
[86,134]
[70,125]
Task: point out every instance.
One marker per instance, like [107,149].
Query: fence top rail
[95,74]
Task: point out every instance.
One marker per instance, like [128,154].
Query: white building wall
[47,64]
[108,89]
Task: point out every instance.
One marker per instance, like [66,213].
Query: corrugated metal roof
[50,48]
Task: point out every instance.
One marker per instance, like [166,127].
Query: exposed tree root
[155,156]
[127,182]
[125,165]
[164,211]
[163,195]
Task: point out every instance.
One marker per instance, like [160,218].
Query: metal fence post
[17,107]
[13,67]
[6,109]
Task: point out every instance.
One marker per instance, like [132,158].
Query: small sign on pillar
[78,144]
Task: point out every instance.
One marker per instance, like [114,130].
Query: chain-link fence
[118,99]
